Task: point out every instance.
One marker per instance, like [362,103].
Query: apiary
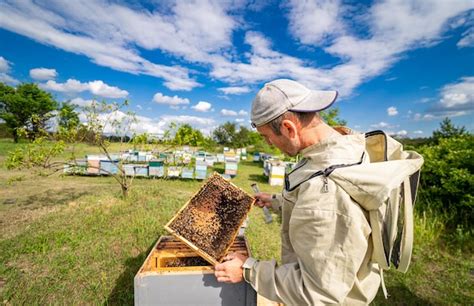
[173,274]
[210,220]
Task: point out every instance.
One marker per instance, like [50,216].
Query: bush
[447,180]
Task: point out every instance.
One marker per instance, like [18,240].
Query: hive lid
[209,222]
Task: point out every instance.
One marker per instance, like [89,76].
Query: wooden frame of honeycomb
[209,222]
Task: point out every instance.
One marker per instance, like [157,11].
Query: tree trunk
[15,135]
[124,191]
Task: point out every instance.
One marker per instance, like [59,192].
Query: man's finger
[223,279]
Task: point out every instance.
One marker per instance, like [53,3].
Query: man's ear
[288,128]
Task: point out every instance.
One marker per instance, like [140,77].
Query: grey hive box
[173,274]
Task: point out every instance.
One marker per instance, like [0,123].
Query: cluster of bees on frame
[186,262]
[213,216]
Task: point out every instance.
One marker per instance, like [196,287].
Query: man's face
[282,142]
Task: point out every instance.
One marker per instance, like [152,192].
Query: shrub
[447,180]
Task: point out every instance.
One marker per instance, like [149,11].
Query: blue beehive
[108,167]
[187,173]
[141,170]
[201,170]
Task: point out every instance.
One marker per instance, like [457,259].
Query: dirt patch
[213,216]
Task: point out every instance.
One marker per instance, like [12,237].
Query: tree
[331,117]
[448,130]
[242,137]
[68,118]
[26,106]
[186,135]
[225,134]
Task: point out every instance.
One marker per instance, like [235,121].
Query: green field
[74,240]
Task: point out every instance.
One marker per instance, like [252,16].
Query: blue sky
[400,66]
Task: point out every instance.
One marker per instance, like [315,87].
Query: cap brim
[316,101]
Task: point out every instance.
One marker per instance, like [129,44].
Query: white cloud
[205,125]
[467,40]
[71,86]
[393,27]
[456,99]
[232,113]
[202,106]
[144,124]
[418,132]
[457,94]
[173,101]
[81,102]
[228,112]
[201,32]
[101,89]
[7,79]
[98,88]
[4,72]
[139,107]
[239,120]
[392,111]
[383,125]
[313,22]
[4,65]
[401,133]
[107,32]
[43,74]
[234,90]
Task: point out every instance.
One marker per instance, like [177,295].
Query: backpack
[389,203]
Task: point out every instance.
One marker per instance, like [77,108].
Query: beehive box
[187,173]
[108,167]
[277,174]
[173,274]
[210,220]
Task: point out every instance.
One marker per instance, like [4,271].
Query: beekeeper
[325,235]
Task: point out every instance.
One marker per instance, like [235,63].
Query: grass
[74,240]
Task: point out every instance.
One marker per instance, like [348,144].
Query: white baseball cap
[279,96]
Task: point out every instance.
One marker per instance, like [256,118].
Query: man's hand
[263,199]
[230,271]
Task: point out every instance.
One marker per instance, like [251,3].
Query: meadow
[75,240]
